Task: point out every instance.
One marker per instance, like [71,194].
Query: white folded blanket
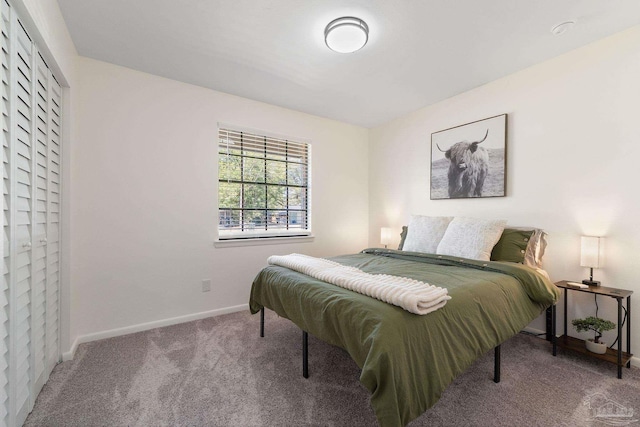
[412,295]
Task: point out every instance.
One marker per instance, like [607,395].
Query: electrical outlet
[206,285]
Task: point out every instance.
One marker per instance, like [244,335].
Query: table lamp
[386,234]
[590,248]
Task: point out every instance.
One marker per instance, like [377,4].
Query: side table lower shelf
[577,345]
[617,357]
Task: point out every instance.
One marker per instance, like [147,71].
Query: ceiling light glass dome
[346,34]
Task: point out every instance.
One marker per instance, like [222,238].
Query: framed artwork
[470,160]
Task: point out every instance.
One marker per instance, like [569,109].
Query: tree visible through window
[263,186]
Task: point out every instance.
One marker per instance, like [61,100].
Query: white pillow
[471,238]
[425,232]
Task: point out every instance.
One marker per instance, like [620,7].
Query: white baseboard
[146,326]
[635,361]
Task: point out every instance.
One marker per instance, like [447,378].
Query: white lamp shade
[590,251]
[386,235]
[346,35]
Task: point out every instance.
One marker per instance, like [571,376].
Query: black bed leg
[305,354]
[496,365]
[262,322]
[549,327]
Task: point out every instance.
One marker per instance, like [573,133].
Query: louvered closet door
[6,225]
[29,292]
[39,221]
[23,197]
[53,226]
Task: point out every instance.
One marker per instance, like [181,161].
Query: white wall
[573,148]
[144,197]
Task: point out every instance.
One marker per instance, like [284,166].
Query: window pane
[253,170]
[276,197]
[277,219]
[254,220]
[229,195]
[254,196]
[297,197]
[297,219]
[229,167]
[229,219]
[276,172]
[297,174]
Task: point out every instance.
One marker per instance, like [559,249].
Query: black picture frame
[470,160]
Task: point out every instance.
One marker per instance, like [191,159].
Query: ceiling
[419,51]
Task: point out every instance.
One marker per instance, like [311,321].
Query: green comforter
[408,360]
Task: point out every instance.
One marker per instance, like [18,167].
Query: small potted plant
[598,326]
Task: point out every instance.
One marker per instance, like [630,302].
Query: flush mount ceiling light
[562,28]
[346,34]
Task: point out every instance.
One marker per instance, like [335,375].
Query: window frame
[264,235]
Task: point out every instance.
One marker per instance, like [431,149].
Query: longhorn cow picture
[470,160]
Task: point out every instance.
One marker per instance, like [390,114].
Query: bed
[407,360]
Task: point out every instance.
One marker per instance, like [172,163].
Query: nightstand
[617,357]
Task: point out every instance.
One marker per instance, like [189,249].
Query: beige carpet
[219,372]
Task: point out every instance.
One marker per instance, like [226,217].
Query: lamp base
[591,282]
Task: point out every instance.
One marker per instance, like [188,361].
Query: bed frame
[305,352]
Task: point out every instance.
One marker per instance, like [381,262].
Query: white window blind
[29,295]
[263,186]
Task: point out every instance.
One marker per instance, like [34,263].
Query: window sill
[231,243]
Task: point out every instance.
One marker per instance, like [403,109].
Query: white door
[29,311]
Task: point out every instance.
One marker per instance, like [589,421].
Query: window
[263,186]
